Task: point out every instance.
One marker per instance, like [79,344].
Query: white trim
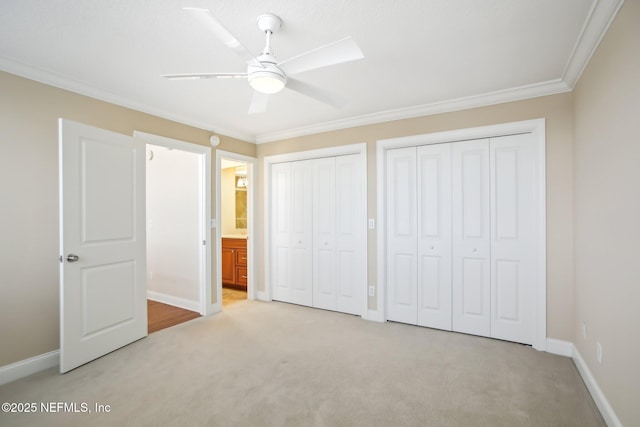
[540,292]
[537,128]
[30,366]
[559,347]
[598,396]
[252,202]
[381,241]
[205,307]
[341,150]
[187,304]
[601,15]
[551,87]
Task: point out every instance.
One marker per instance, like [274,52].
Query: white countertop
[234,236]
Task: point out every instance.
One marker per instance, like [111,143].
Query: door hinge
[204,243]
[60,258]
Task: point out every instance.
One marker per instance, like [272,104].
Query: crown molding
[54,79]
[600,17]
[508,95]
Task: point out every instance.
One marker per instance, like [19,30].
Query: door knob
[72,258]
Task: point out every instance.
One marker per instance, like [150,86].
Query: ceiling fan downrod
[269,24]
[267,77]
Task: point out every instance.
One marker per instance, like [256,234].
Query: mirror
[241,200]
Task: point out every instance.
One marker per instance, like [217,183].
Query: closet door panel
[281,231]
[324,238]
[471,237]
[349,217]
[301,233]
[402,233]
[434,236]
[513,243]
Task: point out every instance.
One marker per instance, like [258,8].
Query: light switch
[372,224]
[214,223]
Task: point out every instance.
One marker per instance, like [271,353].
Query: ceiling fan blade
[316,93]
[259,102]
[222,33]
[197,76]
[344,50]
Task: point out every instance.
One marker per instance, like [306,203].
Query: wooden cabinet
[234,263]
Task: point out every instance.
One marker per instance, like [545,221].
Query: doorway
[235,212]
[178,232]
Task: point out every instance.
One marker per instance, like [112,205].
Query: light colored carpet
[274,364]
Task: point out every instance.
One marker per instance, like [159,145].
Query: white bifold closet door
[338,282]
[402,236]
[291,232]
[514,226]
[461,236]
[471,238]
[419,235]
[317,228]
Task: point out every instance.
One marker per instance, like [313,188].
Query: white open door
[102,243]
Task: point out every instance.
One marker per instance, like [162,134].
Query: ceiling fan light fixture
[267,79]
[267,84]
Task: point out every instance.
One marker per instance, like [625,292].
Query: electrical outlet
[372,291]
[584,330]
[599,352]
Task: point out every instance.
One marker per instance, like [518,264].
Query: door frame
[252,203]
[536,127]
[204,161]
[358,149]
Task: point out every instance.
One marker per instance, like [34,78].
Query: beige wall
[558,111]
[29,111]
[29,217]
[607,213]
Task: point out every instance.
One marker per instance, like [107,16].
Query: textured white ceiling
[421,56]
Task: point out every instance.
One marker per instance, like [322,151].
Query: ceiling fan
[265,73]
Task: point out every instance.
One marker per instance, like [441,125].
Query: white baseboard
[262,296]
[602,403]
[559,347]
[187,304]
[29,366]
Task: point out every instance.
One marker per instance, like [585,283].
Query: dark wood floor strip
[161,316]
